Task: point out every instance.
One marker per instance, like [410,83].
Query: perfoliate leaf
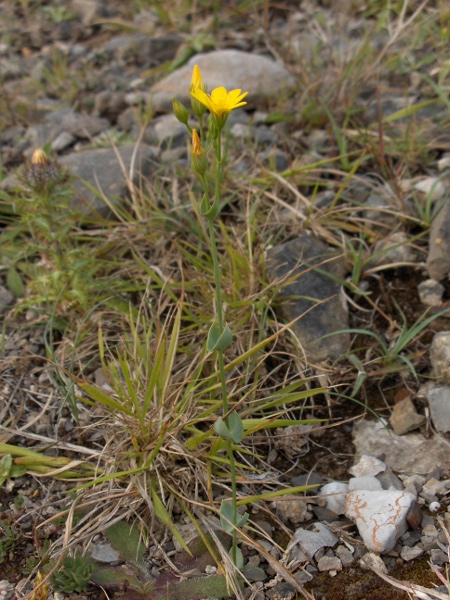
[236,427]
[218,340]
[222,430]
[208,210]
[227,516]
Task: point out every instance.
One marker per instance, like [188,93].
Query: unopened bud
[199,160]
[180,111]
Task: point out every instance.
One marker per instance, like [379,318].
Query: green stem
[220,321]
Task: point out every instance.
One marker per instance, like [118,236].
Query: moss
[358,584]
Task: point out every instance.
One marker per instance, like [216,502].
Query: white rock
[367,465]
[392,249]
[105,553]
[335,494]
[367,482]
[379,516]
[434,507]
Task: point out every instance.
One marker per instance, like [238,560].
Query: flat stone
[392,249]
[440,356]
[411,453]
[295,510]
[310,478]
[310,541]
[170,132]
[265,80]
[404,417]
[439,402]
[335,494]
[329,563]
[314,298]
[101,169]
[345,555]
[410,553]
[367,466]
[281,591]
[379,516]
[62,141]
[367,482]
[370,561]
[430,292]
[389,480]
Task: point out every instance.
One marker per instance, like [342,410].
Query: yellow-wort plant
[219,103]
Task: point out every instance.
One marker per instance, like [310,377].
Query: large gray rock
[314,296]
[265,80]
[102,170]
[410,453]
[438,397]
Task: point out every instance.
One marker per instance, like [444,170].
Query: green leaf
[236,427]
[218,340]
[208,210]
[220,427]
[127,541]
[114,578]
[239,558]
[15,283]
[227,516]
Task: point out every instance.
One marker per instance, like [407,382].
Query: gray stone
[274,159]
[146,49]
[411,453]
[378,212]
[440,356]
[310,541]
[408,553]
[109,104]
[439,557]
[367,466]
[170,132]
[314,298]
[404,417]
[439,402]
[335,494]
[389,480]
[101,169]
[295,510]
[438,261]
[367,482]
[430,292]
[391,250]
[310,478]
[380,516]
[329,563]
[432,188]
[265,80]
[84,126]
[62,141]
[345,555]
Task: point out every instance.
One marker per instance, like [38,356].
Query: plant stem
[220,321]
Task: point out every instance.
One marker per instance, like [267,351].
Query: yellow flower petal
[197,80]
[220,102]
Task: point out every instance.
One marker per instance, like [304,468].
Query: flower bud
[199,160]
[180,111]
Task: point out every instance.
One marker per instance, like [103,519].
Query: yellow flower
[197,81]
[219,101]
[39,158]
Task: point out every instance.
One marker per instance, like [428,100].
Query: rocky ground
[93,83]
